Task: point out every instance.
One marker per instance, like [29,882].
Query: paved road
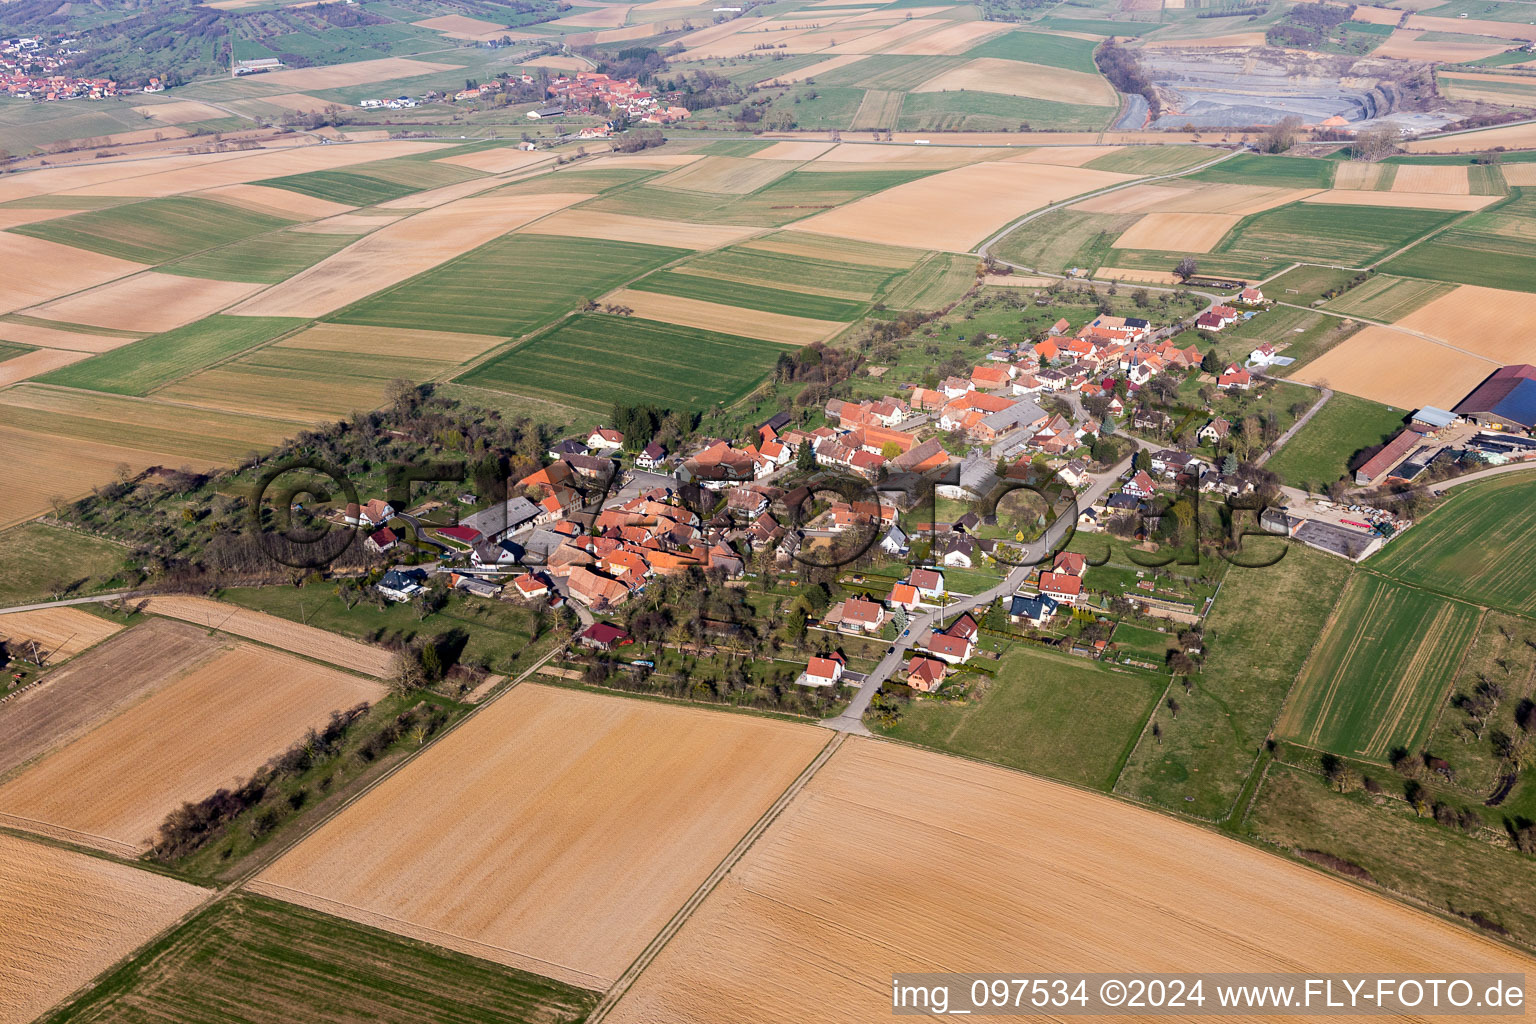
[97,599]
[1280,442]
[852,718]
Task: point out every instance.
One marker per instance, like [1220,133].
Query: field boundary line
[1455,677]
[632,973]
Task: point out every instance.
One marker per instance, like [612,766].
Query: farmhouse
[1392,453]
[502,520]
[1505,401]
[381,541]
[1214,432]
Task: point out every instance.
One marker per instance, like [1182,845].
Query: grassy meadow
[1321,452]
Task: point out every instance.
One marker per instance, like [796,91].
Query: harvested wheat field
[180,111]
[497,160]
[210,728]
[713,316]
[1398,369]
[1472,26]
[66,917]
[31,364]
[98,684]
[1447,179]
[1377,15]
[279,202]
[1178,232]
[151,302]
[1402,200]
[440,346]
[362,72]
[1516,136]
[836,897]
[1016,78]
[457,26]
[728,175]
[797,151]
[52,270]
[401,250]
[64,631]
[556,831]
[1406,44]
[319,644]
[957,209]
[58,337]
[1062,156]
[1489,321]
[622,227]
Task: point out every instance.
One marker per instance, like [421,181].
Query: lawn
[510,286]
[1067,52]
[41,561]
[1480,545]
[1415,857]
[1068,718]
[254,960]
[143,366]
[1141,643]
[1388,298]
[155,230]
[592,361]
[1305,284]
[264,260]
[1380,671]
[751,296]
[1259,632]
[1321,452]
[1347,235]
[1273,171]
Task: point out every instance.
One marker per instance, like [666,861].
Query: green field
[591,361]
[1258,633]
[1379,673]
[1141,643]
[1480,545]
[831,106]
[836,275]
[1320,452]
[263,260]
[1039,48]
[1492,248]
[894,73]
[253,960]
[41,561]
[968,111]
[10,350]
[1063,239]
[510,286]
[595,181]
[155,230]
[751,296]
[1416,857]
[1348,235]
[1388,298]
[1068,718]
[792,197]
[941,279]
[1305,284]
[1276,171]
[1153,159]
[139,368]
[346,187]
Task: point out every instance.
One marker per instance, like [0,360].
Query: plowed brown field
[210,728]
[65,917]
[1398,369]
[1489,321]
[64,631]
[556,831]
[318,644]
[1178,232]
[895,859]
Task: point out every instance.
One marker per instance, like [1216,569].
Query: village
[33,68]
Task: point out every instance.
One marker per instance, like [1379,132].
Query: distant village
[32,68]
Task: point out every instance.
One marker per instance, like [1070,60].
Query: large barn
[1505,401]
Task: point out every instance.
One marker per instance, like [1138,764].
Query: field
[55,270]
[317,644]
[1487,321]
[776,265]
[1151,159]
[1063,239]
[746,295]
[144,303]
[1016,78]
[1401,200]
[617,227]
[1045,713]
[64,632]
[713,316]
[591,361]
[98,684]
[555,831]
[1343,235]
[957,209]
[940,280]
[277,963]
[1275,171]
[1178,232]
[510,286]
[1477,546]
[1200,198]
[734,175]
[1379,672]
[1321,452]
[272,258]
[143,366]
[1491,249]
[210,728]
[155,230]
[1415,857]
[1058,51]
[66,916]
[1388,298]
[43,560]
[822,909]
[1260,630]
[1394,368]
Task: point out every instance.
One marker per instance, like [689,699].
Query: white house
[822,672]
